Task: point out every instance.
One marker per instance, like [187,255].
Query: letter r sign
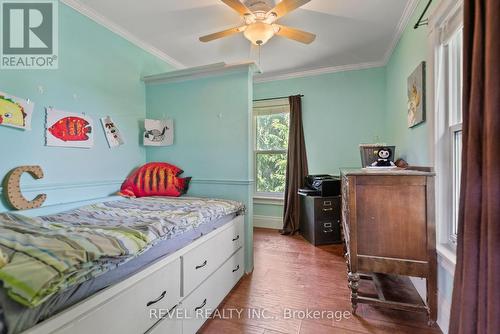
[29,29]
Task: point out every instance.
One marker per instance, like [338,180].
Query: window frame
[453,100]
[262,104]
[446,22]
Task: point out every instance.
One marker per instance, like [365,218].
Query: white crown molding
[202,72]
[103,21]
[411,5]
[318,71]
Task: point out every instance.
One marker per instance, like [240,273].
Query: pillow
[155,179]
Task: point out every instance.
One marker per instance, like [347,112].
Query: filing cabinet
[320,219]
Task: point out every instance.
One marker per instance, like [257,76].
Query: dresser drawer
[203,260]
[204,300]
[135,307]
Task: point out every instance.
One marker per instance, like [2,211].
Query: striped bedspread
[44,255]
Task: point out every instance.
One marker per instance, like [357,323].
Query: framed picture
[15,111]
[416,96]
[66,129]
[158,132]
[113,135]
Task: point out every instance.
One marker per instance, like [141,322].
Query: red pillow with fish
[155,179]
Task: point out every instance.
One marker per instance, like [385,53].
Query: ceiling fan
[260,22]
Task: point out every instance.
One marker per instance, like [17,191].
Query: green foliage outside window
[271,151]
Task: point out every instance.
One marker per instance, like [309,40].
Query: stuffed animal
[155,179]
[384,158]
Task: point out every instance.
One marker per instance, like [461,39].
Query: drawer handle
[237,238]
[327,209]
[237,268]
[201,306]
[201,234]
[201,265]
[328,231]
[163,294]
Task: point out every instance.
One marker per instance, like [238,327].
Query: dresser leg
[354,285]
[432,290]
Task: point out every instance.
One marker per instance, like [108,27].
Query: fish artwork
[15,112]
[69,129]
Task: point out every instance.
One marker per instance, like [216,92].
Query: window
[449,85]
[453,55]
[271,127]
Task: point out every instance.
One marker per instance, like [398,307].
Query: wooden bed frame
[174,295]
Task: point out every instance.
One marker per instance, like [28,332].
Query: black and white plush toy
[384,158]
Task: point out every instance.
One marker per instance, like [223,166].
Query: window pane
[455,78]
[457,170]
[272,131]
[459,75]
[271,170]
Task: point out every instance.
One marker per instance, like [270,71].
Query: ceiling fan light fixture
[259,33]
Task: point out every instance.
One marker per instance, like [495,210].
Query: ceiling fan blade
[286,6]
[296,34]
[221,34]
[238,6]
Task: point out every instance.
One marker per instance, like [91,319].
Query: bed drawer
[205,299]
[133,311]
[203,260]
[169,325]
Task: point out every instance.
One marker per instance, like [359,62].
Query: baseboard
[268,222]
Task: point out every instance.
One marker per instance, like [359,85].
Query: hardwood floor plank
[292,275]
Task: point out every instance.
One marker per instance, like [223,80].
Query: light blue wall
[212,119]
[268,210]
[412,144]
[104,72]
[340,111]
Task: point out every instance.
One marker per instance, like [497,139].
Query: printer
[323,185]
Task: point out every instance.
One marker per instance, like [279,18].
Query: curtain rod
[421,21]
[276,98]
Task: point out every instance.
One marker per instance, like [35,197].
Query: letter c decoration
[12,187]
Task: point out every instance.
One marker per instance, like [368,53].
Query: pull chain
[259,53]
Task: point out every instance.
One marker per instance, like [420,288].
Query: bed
[172,254]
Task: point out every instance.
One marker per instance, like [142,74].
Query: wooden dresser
[388,225]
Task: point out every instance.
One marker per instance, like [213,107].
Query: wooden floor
[292,274]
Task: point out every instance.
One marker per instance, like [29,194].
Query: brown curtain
[476,293]
[296,168]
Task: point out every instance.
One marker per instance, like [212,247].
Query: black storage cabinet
[320,219]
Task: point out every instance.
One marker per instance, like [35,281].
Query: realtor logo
[29,34]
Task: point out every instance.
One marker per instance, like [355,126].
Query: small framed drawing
[113,135]
[416,96]
[158,132]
